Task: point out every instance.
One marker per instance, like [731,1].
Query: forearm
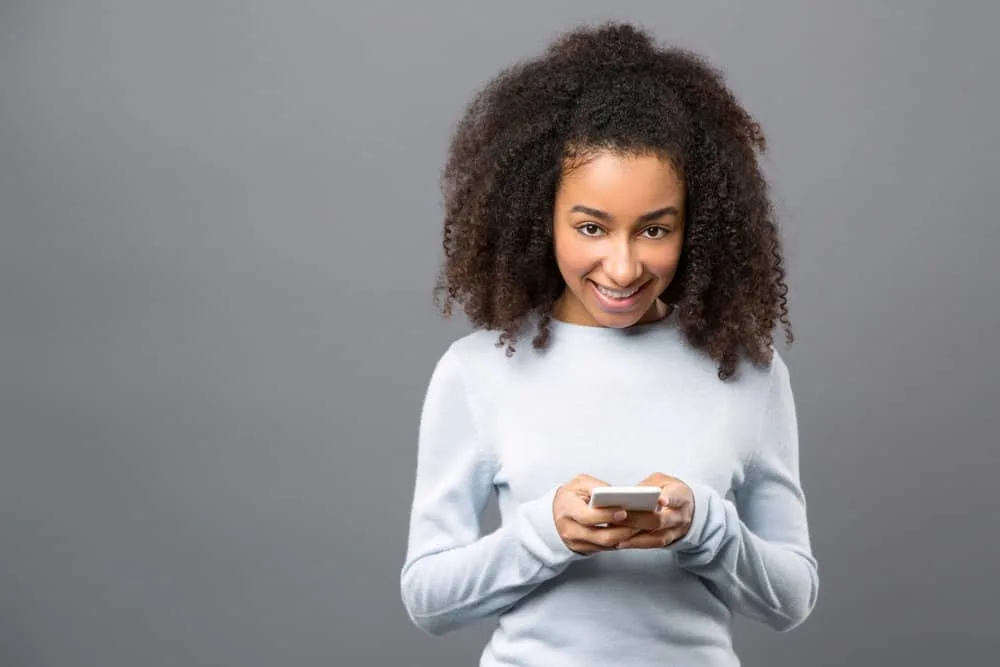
[445,587]
[775,582]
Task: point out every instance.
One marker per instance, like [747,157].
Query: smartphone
[640,498]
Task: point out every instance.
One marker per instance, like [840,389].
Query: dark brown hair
[611,87]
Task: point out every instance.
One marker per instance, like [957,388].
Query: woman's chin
[625,318]
[616,320]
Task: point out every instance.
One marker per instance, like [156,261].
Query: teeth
[617,294]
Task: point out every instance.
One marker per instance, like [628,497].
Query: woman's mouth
[617,300]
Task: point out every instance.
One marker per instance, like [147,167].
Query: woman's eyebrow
[607,217]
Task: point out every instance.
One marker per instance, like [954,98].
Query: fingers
[656,479]
[669,523]
[586,515]
[583,528]
[585,483]
[650,520]
[581,486]
[587,529]
[641,520]
[588,540]
[653,540]
[674,496]
[581,511]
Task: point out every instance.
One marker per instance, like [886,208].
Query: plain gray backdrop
[220,230]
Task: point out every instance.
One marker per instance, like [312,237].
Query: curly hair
[610,87]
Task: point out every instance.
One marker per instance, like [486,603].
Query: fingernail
[620,516]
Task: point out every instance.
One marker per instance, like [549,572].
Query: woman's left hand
[669,523]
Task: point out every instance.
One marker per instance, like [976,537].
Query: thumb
[670,500]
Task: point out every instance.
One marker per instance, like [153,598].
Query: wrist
[539,534]
[693,537]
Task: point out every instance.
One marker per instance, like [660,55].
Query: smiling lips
[617,294]
[618,300]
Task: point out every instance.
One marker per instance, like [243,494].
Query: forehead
[621,182]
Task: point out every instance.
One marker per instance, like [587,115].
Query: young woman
[609,233]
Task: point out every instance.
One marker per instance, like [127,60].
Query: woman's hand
[669,523]
[585,529]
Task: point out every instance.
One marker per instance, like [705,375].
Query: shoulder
[471,371]
[776,373]
[763,375]
[472,350]
[770,385]
[474,358]
[754,385]
[476,345]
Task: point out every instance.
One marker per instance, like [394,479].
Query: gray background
[220,227]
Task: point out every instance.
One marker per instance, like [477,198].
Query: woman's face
[618,228]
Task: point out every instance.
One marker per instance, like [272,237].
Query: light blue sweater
[618,405]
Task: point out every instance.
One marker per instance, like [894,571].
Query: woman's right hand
[585,529]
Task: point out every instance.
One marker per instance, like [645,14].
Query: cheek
[573,258]
[664,264]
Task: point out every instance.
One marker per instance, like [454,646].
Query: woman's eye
[590,229]
[655,232]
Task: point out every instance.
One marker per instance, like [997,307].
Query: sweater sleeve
[452,574]
[755,552]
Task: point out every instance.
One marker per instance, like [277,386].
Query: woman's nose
[622,266]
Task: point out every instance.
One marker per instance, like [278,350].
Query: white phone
[640,498]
